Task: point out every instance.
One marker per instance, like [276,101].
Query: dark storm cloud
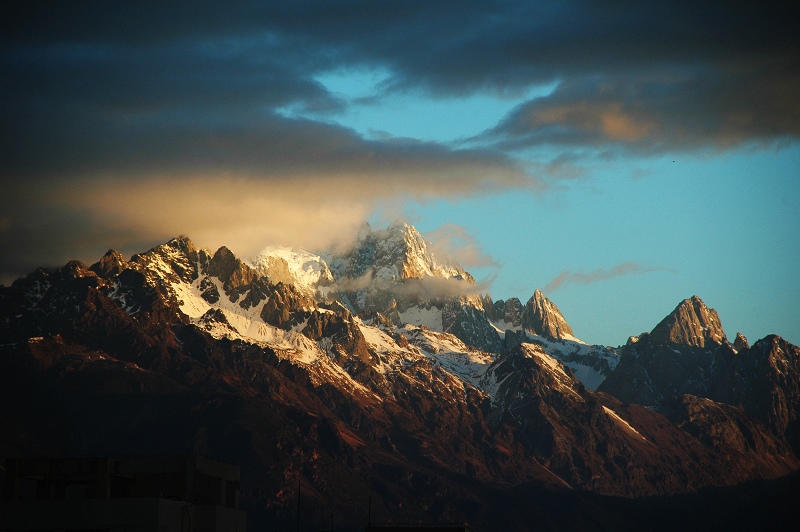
[126,124]
[691,108]
[105,101]
[645,74]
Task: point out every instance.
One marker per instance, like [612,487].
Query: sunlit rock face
[397,252]
[692,324]
[686,353]
[741,343]
[542,317]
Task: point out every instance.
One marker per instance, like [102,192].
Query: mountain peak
[692,323]
[230,270]
[306,271]
[182,243]
[111,264]
[541,316]
[396,253]
[741,343]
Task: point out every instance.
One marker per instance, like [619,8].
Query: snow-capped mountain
[396,253]
[308,272]
[394,273]
[445,397]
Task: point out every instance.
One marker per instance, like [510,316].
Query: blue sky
[619,155]
[696,226]
[720,224]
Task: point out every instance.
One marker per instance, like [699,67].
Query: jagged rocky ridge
[688,353]
[216,358]
[393,274]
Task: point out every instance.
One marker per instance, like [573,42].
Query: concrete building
[445,527]
[142,494]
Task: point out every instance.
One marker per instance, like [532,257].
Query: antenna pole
[298,505]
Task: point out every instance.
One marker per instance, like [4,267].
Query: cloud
[124,124]
[280,181]
[438,288]
[361,282]
[413,289]
[50,222]
[651,113]
[453,240]
[626,268]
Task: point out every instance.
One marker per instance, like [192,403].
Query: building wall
[173,493]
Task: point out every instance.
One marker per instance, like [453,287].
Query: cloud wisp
[413,289]
[601,274]
[455,241]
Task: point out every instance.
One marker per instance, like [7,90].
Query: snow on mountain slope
[395,253]
[394,272]
[234,307]
[430,317]
[172,269]
[523,373]
[588,363]
[306,270]
[622,423]
[591,364]
[404,393]
[240,323]
[458,359]
[563,381]
[391,355]
[217,306]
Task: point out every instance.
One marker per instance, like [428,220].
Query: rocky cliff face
[395,274]
[740,343]
[765,381]
[686,353]
[692,324]
[307,272]
[111,264]
[542,317]
[587,438]
[470,325]
[723,426]
[396,253]
[509,312]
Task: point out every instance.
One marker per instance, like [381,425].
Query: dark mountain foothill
[436,408]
